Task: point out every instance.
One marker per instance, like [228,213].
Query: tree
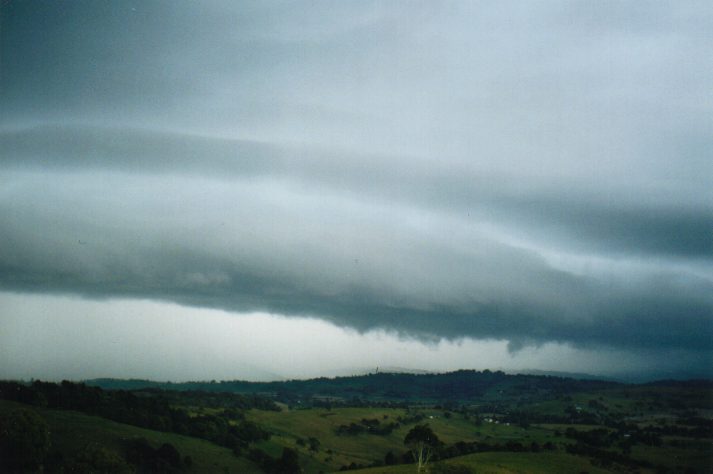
[443,468]
[313,444]
[421,440]
[168,454]
[288,462]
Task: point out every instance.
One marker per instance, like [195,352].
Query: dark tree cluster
[229,401]
[410,418]
[462,448]
[353,402]
[165,459]
[367,426]
[287,463]
[603,445]
[599,437]
[443,468]
[603,457]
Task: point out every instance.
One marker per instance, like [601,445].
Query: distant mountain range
[399,385]
[390,386]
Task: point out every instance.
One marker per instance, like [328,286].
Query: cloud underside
[104,213]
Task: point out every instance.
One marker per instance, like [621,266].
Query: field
[506,463]
[336,451]
[342,450]
[510,428]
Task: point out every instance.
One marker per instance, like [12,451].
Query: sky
[270,190]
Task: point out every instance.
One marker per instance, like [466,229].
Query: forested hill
[453,386]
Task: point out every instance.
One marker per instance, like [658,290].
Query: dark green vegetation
[462,422]
[460,386]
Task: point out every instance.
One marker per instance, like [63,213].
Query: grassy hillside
[505,463]
[72,431]
[613,428]
[665,452]
[337,450]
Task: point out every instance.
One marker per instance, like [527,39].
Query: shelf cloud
[535,174]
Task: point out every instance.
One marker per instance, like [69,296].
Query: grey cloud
[361,265]
[608,227]
[581,221]
[526,172]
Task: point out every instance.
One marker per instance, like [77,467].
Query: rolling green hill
[503,463]
[71,432]
[515,425]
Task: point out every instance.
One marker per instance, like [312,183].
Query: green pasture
[72,431]
[677,459]
[506,463]
[340,450]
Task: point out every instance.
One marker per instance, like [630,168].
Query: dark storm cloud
[525,173]
[232,244]
[588,223]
